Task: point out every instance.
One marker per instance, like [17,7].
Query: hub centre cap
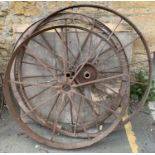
[87,73]
[66,87]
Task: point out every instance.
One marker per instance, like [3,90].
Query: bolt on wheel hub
[70,74]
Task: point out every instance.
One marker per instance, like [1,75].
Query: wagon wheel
[85,69]
[138,59]
[91,123]
[68,92]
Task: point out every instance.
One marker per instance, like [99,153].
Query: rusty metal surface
[70,73]
[2,103]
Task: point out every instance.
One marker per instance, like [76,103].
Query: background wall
[25,13]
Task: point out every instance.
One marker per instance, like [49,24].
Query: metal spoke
[121,49]
[35,64]
[90,45]
[50,112]
[79,47]
[55,55]
[108,39]
[66,41]
[104,51]
[81,67]
[112,111]
[71,113]
[110,89]
[45,65]
[64,56]
[87,93]
[91,103]
[47,43]
[30,63]
[85,41]
[64,104]
[49,48]
[137,82]
[108,108]
[62,39]
[129,64]
[77,113]
[38,93]
[96,81]
[35,76]
[107,72]
[33,84]
[36,107]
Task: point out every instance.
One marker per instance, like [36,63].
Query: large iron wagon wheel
[115,106]
[76,76]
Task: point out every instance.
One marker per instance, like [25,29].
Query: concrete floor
[13,139]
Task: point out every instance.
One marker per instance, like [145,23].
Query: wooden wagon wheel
[76,81]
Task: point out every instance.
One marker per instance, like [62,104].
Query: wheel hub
[87,73]
[66,87]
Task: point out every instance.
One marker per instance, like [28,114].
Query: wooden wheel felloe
[70,73]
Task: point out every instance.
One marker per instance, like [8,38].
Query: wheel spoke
[47,43]
[111,72]
[71,112]
[62,39]
[66,41]
[38,93]
[137,82]
[59,112]
[108,108]
[85,42]
[110,89]
[35,76]
[112,111]
[96,81]
[55,55]
[36,107]
[50,112]
[35,64]
[91,103]
[87,38]
[45,65]
[121,49]
[65,55]
[30,63]
[129,64]
[108,38]
[81,67]
[79,47]
[87,93]
[77,114]
[104,51]
[34,84]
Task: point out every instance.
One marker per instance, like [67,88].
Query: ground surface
[13,139]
